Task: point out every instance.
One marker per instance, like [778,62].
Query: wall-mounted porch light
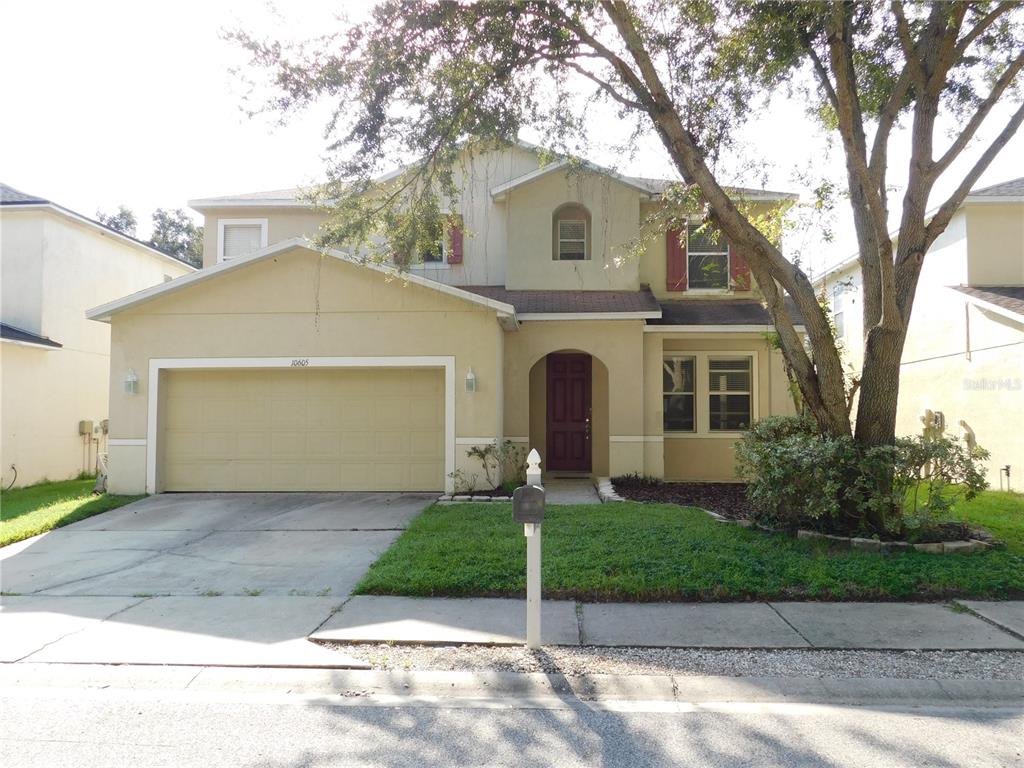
[471,381]
[131,382]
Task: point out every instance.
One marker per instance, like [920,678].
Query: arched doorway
[569,412]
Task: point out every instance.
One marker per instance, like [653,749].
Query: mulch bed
[727,499]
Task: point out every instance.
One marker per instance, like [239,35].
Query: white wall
[62,268]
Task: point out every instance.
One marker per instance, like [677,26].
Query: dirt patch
[727,499]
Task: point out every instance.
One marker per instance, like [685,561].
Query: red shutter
[675,260]
[455,245]
[739,272]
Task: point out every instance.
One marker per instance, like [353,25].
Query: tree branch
[914,64]
[605,86]
[1004,82]
[945,212]
[987,21]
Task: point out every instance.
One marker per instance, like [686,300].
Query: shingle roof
[12,196]
[1011,188]
[566,302]
[719,312]
[10,333]
[1010,297]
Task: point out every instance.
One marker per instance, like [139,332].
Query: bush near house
[798,478]
[650,552]
[35,509]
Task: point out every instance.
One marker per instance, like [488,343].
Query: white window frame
[702,392]
[728,265]
[558,252]
[713,392]
[221,223]
[692,393]
[442,264]
[839,291]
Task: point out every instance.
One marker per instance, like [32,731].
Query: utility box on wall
[85,427]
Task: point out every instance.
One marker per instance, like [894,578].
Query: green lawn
[640,552]
[38,508]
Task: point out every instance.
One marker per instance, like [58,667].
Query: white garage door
[302,429]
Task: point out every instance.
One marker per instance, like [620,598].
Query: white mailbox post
[528,508]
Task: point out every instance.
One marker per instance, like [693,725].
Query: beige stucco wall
[705,456]
[617,346]
[53,270]
[299,304]
[615,219]
[282,224]
[995,244]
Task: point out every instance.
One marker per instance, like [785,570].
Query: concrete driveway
[195,578]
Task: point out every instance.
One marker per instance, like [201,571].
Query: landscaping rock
[802,534]
[979,545]
[866,545]
[446,497]
[935,548]
[962,547]
[480,498]
[895,546]
[462,498]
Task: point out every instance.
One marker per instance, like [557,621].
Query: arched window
[570,233]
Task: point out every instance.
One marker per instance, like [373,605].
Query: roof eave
[104,312]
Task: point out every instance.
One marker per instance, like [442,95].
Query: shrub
[636,480]
[797,477]
[505,462]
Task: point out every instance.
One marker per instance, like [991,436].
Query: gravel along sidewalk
[590,660]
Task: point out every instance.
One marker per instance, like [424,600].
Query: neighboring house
[278,368]
[964,354]
[55,264]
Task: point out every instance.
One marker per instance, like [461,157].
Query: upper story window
[707,256]
[238,237]
[839,310]
[571,233]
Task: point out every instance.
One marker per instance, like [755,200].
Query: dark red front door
[568,413]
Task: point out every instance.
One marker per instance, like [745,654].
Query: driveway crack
[127,566]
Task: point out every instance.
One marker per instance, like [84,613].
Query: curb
[443,688]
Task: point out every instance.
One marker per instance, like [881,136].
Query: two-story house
[54,265]
[964,355]
[276,367]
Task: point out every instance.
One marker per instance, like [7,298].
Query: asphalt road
[152,728]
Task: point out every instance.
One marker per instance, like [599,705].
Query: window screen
[572,240]
[677,393]
[240,239]
[729,391]
[707,256]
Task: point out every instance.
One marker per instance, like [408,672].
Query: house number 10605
[301,362]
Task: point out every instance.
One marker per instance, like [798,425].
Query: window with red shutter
[675,261]
[455,245]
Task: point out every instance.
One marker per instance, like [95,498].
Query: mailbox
[528,504]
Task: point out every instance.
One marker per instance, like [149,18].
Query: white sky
[134,103]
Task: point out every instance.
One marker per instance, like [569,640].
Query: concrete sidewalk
[972,625]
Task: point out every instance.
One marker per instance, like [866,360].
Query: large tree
[175,233]
[425,79]
[123,221]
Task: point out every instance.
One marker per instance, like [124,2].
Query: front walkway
[570,491]
[966,625]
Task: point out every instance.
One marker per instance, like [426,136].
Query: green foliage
[797,477]
[636,480]
[176,234]
[649,552]
[501,463]
[123,220]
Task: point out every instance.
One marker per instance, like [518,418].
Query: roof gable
[506,312]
